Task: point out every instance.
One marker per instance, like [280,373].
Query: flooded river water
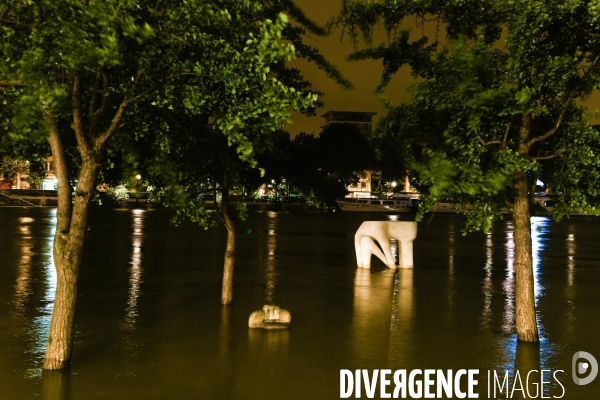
[150,326]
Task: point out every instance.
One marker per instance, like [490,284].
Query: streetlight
[137,183]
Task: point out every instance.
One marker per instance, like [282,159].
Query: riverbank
[48,198]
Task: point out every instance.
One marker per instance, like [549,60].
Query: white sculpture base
[381,232]
[270,317]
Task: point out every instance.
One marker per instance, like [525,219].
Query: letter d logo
[582,367]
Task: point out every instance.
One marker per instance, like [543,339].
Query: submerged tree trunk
[524,287]
[67,252]
[229,221]
[227,291]
[72,211]
[71,221]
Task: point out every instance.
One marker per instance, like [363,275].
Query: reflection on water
[129,343]
[539,229]
[509,282]
[401,326]
[451,244]
[23,284]
[40,327]
[268,342]
[135,271]
[527,363]
[527,356]
[571,257]
[269,271]
[488,284]
[225,332]
[56,385]
[149,324]
[373,294]
[570,287]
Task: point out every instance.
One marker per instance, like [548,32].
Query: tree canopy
[494,102]
[82,71]
[487,71]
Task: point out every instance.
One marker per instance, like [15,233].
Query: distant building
[362,188]
[361,120]
[50,182]
[21,180]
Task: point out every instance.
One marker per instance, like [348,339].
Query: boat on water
[376,205]
[395,205]
[407,204]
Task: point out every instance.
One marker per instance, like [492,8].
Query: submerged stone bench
[270,317]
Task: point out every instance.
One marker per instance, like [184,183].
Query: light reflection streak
[571,257]
[373,294]
[41,323]
[268,342]
[401,326]
[56,384]
[395,251]
[269,270]
[135,270]
[488,285]
[451,233]
[526,356]
[539,227]
[23,284]
[130,344]
[570,288]
[508,324]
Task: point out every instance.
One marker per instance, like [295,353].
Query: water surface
[150,326]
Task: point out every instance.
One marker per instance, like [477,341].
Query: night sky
[363,74]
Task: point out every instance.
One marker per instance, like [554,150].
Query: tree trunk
[67,251]
[227,291]
[229,221]
[60,338]
[524,290]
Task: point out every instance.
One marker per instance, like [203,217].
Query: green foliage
[117,195]
[34,170]
[133,72]
[495,93]
[9,166]
[249,105]
[145,57]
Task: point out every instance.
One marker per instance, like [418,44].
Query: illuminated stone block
[368,248]
[270,317]
[380,232]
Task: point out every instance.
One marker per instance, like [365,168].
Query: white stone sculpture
[270,317]
[381,232]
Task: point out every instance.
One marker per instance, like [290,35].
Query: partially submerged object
[371,233]
[270,317]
